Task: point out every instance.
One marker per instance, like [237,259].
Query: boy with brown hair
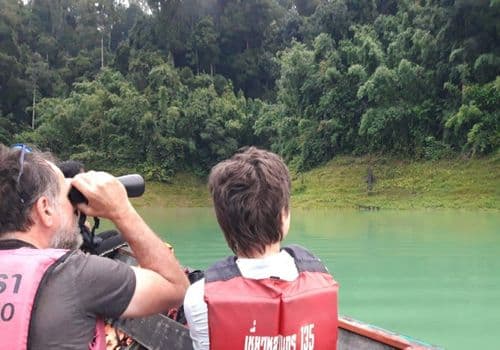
[264,297]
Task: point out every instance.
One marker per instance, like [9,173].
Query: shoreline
[342,183]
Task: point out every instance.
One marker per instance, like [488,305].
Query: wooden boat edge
[381,335]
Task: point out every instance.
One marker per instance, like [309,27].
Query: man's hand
[160,282]
[107,197]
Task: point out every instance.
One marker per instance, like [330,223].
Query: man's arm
[160,281]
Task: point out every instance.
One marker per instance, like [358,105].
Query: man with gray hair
[51,294]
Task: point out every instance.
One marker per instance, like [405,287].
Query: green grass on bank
[185,191]
[341,183]
[401,184]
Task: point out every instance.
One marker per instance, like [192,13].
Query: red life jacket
[272,313]
[22,272]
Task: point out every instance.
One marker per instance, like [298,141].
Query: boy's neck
[270,249]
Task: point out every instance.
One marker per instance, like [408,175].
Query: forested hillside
[169,85]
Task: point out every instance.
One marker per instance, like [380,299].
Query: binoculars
[133,183]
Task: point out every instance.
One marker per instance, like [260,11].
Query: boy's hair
[250,191]
[17,197]
[71,168]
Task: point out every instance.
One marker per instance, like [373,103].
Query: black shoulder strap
[40,286]
[8,244]
[226,269]
[305,260]
[222,270]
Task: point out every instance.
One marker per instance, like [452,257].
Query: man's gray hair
[18,197]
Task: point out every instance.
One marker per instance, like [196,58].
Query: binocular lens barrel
[134,184]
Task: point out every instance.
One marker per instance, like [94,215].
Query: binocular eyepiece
[133,183]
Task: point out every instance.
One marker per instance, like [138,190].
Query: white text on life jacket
[282,342]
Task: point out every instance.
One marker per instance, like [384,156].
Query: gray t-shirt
[74,294]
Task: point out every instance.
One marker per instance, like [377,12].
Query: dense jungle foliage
[169,85]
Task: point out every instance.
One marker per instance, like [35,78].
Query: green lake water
[432,275]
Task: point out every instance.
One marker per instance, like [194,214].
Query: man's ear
[44,211]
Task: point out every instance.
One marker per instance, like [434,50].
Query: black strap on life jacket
[227,269]
[7,244]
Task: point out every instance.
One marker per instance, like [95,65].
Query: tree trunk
[33,110]
[102,50]
[197,63]
[109,37]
